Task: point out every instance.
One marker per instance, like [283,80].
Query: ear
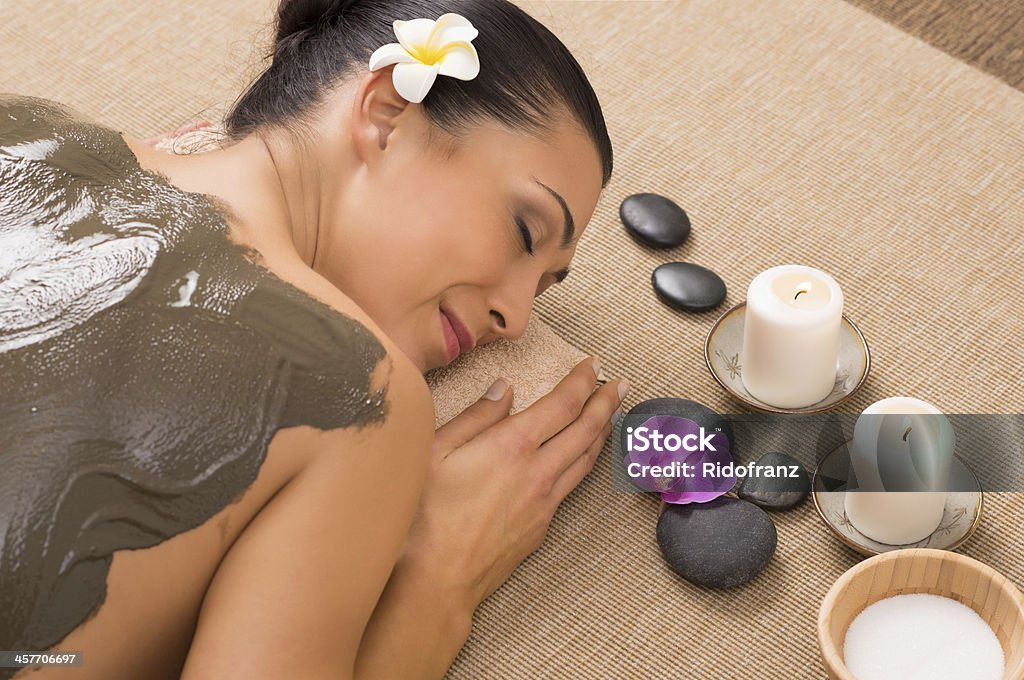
[376,108]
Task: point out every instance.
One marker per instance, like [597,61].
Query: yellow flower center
[428,56]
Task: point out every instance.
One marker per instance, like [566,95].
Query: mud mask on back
[146,361]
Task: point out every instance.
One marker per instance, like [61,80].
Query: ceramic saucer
[959,520]
[722,354]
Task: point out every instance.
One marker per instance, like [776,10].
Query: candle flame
[803,289]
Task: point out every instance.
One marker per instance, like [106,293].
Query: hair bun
[296,16]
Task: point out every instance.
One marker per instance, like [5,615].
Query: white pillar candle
[905,441]
[791,336]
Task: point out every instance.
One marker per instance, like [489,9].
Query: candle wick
[907,433]
[802,289]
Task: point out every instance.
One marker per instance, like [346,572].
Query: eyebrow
[569,227]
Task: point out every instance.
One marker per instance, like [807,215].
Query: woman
[221,448]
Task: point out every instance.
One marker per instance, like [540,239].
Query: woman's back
[146,362]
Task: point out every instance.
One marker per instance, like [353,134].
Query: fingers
[562,450]
[550,414]
[579,468]
[490,409]
[187,127]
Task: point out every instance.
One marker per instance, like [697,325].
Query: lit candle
[791,336]
[901,443]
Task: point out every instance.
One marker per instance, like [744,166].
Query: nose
[510,308]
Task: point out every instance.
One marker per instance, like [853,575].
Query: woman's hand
[188,127]
[495,481]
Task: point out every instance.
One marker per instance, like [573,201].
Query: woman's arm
[294,593]
[416,630]
[493,484]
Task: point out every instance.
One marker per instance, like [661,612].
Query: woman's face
[445,244]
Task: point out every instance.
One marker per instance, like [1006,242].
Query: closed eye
[527,236]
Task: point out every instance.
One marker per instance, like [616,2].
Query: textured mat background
[988,34]
[796,130]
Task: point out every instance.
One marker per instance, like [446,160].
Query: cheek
[448,231]
[421,245]
[425,226]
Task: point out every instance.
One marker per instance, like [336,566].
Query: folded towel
[532,365]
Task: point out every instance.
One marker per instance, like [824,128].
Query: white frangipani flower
[426,49]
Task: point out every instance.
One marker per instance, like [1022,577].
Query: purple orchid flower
[678,459]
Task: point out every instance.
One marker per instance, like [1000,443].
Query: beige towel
[532,364]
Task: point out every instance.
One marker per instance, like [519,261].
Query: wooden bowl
[919,570]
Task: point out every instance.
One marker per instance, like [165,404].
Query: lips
[458,339]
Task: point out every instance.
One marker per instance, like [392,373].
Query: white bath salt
[906,637]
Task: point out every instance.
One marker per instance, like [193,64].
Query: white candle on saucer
[909,443]
[791,336]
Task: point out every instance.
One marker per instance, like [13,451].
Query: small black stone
[776,493]
[720,544]
[683,408]
[654,220]
[688,286]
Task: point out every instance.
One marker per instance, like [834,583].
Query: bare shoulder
[408,399]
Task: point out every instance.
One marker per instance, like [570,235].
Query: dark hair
[526,72]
